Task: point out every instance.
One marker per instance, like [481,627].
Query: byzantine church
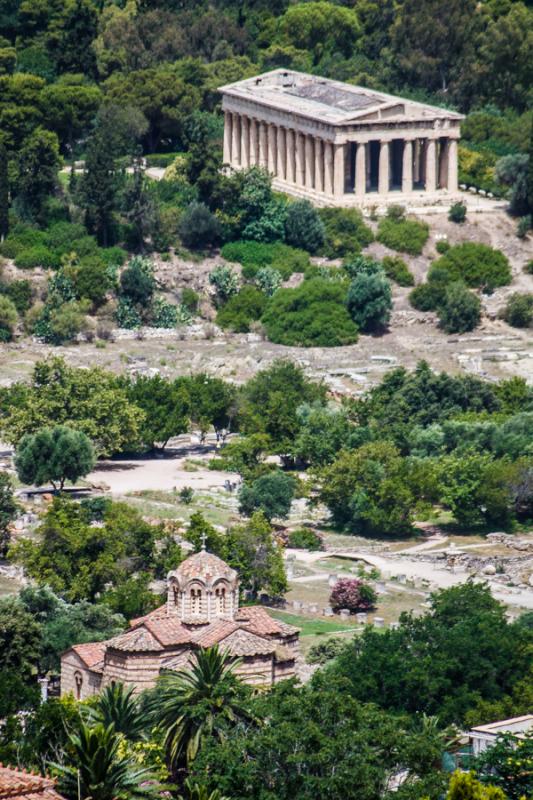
[202,610]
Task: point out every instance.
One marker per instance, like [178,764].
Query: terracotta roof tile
[138,640]
[158,613]
[205,565]
[259,621]
[243,643]
[19,785]
[90,653]
[168,630]
[215,632]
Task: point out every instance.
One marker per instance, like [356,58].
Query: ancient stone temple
[338,144]
[202,610]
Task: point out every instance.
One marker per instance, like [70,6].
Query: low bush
[476,264]
[524,226]
[427,296]
[356,265]
[198,227]
[62,236]
[404,235]
[190,299]
[457,213]
[127,314]
[137,282]
[460,310]
[8,318]
[397,270]
[353,594]
[303,227]
[163,314]
[225,281]
[529,267]
[312,315]
[345,232]
[20,293]
[442,246]
[518,310]
[242,309]
[305,539]
[268,279]
[254,255]
[38,256]
[91,280]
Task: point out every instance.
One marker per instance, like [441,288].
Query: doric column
[319,165]
[263,145]
[360,169]
[282,154]
[431,165]
[254,143]
[328,168]
[384,159]
[338,170]
[300,160]
[228,125]
[452,165]
[407,167]
[272,149]
[236,141]
[245,141]
[309,163]
[290,167]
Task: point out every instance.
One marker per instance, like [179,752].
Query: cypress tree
[4,194]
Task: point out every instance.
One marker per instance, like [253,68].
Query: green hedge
[404,235]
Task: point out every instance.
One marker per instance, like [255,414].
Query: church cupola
[202,589]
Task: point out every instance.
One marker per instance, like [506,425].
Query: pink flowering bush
[353,594]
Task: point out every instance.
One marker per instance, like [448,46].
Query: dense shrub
[190,299]
[345,232]
[305,539]
[242,309]
[529,267]
[137,281]
[442,246]
[404,235]
[271,493]
[20,293]
[355,265]
[163,314]
[303,227]
[524,226]
[397,270]
[91,279]
[427,296]
[460,311]
[518,310]
[474,263]
[254,255]
[457,213]
[198,226]
[353,594]
[37,256]
[63,235]
[268,279]
[370,301]
[312,315]
[127,314]
[66,322]
[225,281]
[8,318]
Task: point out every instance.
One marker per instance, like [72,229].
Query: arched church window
[78,681]
[196,601]
[220,595]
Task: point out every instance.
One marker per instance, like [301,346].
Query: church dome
[205,567]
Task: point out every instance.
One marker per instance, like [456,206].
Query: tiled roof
[91,652]
[206,566]
[243,643]
[19,785]
[138,640]
[168,630]
[215,632]
[259,621]
[158,613]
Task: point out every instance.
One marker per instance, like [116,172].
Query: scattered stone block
[328,611]
[362,617]
[344,613]
[379,622]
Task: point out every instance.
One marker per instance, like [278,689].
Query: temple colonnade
[394,160]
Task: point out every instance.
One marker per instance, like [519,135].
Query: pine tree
[4,193]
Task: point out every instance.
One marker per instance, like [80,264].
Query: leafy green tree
[166,407]
[8,510]
[370,301]
[345,232]
[476,489]
[460,310]
[303,226]
[137,281]
[20,638]
[342,748]
[271,493]
[368,491]
[270,402]
[196,705]
[54,455]
[213,402]
[70,105]
[464,786]
[505,765]
[4,193]
[38,165]
[245,455]
[512,172]
[312,315]
[253,552]
[91,401]
[514,437]
[323,433]
[442,663]
[95,767]
[321,28]
[140,208]
[100,184]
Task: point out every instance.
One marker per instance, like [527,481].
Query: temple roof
[205,566]
[21,785]
[328,100]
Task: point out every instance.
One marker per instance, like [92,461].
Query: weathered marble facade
[202,610]
[338,144]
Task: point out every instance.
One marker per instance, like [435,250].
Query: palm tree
[98,771]
[118,706]
[193,705]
